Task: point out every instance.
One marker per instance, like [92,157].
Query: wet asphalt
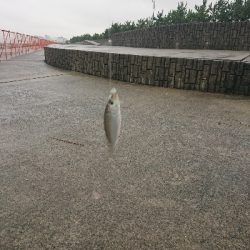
[178,179]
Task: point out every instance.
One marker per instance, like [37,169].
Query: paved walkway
[179,178]
[243,56]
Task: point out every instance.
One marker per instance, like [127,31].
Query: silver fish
[112,118]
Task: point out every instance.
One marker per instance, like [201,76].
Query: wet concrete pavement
[179,178]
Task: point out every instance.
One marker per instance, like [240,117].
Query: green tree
[240,10]
[159,19]
[221,11]
[237,10]
[144,23]
[201,13]
[246,10]
[179,15]
[128,25]
[115,27]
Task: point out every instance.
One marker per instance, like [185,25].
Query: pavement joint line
[33,78]
[67,141]
[237,121]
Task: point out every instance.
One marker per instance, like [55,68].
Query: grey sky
[75,17]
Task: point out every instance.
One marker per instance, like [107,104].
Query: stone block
[192,76]
[150,62]
[200,64]
[172,68]
[206,71]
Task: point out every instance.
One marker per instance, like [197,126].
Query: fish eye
[111,102]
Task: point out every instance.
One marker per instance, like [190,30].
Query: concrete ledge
[220,71]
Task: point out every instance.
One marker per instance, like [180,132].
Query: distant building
[59,39]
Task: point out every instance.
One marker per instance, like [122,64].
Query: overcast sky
[75,17]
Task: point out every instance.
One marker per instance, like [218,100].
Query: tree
[179,15]
[246,10]
[201,13]
[237,10]
[222,12]
[145,23]
[160,19]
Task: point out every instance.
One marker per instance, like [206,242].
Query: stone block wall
[220,76]
[222,36]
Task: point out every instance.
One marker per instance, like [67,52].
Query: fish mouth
[113,99]
[113,91]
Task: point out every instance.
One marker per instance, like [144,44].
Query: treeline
[220,11]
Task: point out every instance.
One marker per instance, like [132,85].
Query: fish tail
[111,149]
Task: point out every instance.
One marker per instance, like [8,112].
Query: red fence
[14,44]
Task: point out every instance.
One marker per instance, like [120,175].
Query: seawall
[220,36]
[158,67]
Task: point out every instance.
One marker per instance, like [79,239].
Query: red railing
[14,44]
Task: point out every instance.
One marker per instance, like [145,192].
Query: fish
[112,118]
